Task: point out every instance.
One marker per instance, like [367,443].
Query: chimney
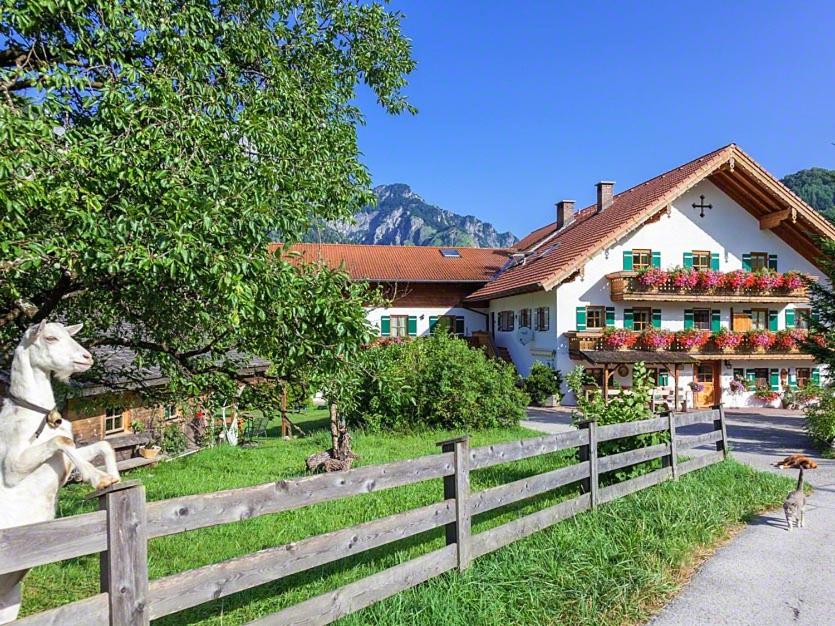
[605,193]
[565,212]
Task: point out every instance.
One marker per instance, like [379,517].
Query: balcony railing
[592,340]
[626,287]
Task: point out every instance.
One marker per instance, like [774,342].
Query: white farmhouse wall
[544,345]
[474,320]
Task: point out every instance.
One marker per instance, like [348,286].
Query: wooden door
[706,375]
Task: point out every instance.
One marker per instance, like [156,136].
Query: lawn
[604,567]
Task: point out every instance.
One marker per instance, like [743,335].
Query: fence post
[719,424]
[124,566]
[672,460]
[588,452]
[457,486]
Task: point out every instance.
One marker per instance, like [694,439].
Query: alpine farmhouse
[716,247]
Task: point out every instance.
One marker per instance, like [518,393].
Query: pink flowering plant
[737,387]
[793,280]
[766,395]
[692,338]
[618,338]
[735,280]
[696,387]
[766,280]
[709,279]
[684,278]
[656,339]
[760,339]
[652,277]
[727,339]
[789,339]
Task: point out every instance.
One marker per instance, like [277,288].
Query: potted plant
[708,280]
[766,280]
[760,340]
[618,339]
[793,281]
[736,280]
[692,339]
[727,340]
[696,387]
[656,339]
[736,387]
[149,451]
[652,277]
[766,395]
[789,339]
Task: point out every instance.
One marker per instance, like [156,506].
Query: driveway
[766,575]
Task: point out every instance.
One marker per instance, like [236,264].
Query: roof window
[450,253]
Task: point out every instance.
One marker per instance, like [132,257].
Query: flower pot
[149,453]
[727,349]
[758,350]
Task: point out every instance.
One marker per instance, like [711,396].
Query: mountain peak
[402,217]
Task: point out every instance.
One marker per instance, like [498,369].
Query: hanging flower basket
[737,387]
[696,387]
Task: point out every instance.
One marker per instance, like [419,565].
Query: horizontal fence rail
[120,531]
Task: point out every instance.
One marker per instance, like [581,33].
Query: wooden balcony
[592,341]
[624,287]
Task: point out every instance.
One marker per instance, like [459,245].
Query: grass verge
[604,567]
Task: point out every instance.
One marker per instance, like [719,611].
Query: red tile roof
[558,257]
[404,263]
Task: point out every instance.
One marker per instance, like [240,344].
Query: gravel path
[766,576]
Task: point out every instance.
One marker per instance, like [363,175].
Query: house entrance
[706,375]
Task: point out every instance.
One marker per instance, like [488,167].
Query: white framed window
[114,420]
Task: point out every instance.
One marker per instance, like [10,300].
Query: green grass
[603,567]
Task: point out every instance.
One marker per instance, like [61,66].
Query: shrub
[173,440]
[820,419]
[432,382]
[542,383]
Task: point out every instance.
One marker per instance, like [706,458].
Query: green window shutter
[610,317]
[656,318]
[772,262]
[687,261]
[793,378]
[746,262]
[412,327]
[714,261]
[656,258]
[772,320]
[581,318]
[385,326]
[774,379]
[627,260]
[688,319]
[789,318]
[459,325]
[627,319]
[715,320]
[750,375]
[814,315]
[663,378]
[816,375]
[433,319]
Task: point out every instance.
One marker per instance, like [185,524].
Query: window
[804,376]
[802,317]
[641,319]
[595,317]
[450,253]
[701,260]
[525,318]
[759,261]
[114,420]
[701,319]
[169,412]
[759,319]
[453,324]
[506,321]
[542,320]
[761,377]
[641,259]
[399,326]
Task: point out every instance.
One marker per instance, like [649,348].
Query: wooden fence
[120,530]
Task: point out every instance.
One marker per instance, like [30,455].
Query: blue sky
[522,104]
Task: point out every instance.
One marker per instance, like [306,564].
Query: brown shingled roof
[404,263]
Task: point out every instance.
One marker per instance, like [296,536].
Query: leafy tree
[150,148]
[816,186]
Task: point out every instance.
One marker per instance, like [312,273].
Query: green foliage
[822,300]
[816,186]
[433,382]
[542,383]
[151,148]
[173,440]
[820,419]
[630,405]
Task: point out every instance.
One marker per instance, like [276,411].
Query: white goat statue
[36,446]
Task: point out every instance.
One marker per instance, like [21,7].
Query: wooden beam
[769,221]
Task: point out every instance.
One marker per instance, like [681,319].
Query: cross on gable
[702,206]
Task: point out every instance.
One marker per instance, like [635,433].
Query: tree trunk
[339,457]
